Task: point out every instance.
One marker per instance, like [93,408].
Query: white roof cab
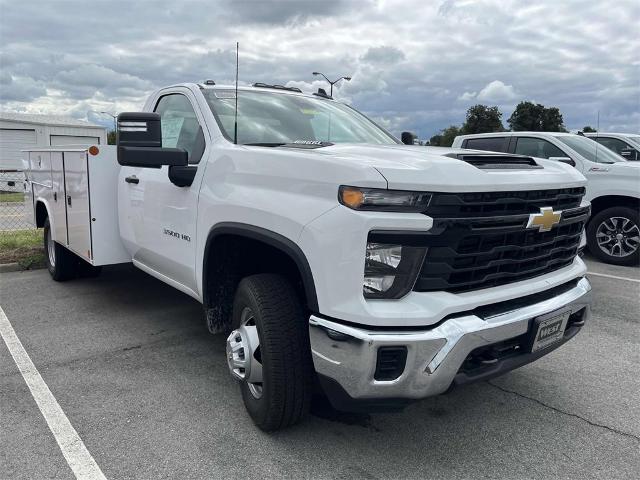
[613,232]
[330,253]
[626,145]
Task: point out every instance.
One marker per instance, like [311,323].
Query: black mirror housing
[629,154]
[139,141]
[152,157]
[567,160]
[408,138]
[139,129]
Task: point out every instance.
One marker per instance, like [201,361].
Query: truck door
[158,218]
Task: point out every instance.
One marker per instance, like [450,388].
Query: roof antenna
[235,123]
[597,130]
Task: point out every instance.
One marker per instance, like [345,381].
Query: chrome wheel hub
[243,353]
[618,236]
[51,250]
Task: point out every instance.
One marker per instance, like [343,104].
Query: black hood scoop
[496,162]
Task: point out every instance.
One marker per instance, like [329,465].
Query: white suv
[613,232]
[625,144]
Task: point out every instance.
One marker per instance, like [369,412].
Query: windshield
[634,140]
[590,149]
[269,118]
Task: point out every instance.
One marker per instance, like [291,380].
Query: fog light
[378,284]
[390,270]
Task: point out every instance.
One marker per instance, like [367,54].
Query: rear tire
[270,303]
[61,263]
[613,236]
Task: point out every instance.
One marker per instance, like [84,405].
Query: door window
[491,144]
[613,144]
[537,147]
[180,127]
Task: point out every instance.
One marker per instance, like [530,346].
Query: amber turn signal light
[352,197]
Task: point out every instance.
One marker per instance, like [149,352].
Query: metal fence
[13,209]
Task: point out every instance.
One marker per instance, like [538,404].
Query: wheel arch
[606,201]
[41,213]
[260,249]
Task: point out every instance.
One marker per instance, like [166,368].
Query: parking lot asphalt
[130,363]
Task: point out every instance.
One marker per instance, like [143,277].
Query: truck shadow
[458,429]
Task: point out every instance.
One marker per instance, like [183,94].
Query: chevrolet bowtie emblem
[545,220]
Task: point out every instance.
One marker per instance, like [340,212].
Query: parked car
[626,145]
[339,259]
[613,232]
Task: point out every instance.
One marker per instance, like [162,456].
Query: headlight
[390,271]
[583,243]
[383,200]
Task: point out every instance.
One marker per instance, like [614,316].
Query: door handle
[132,179]
[69,200]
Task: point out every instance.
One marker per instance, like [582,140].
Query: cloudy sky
[416,64]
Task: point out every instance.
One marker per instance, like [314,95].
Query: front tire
[269,352]
[61,263]
[613,236]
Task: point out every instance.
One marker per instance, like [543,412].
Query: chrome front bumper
[348,354]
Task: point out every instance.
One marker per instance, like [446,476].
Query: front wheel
[613,236]
[268,351]
[61,263]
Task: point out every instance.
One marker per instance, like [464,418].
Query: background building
[21,130]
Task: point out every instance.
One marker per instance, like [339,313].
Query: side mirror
[408,138]
[566,160]
[629,154]
[139,141]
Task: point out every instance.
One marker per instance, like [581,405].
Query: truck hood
[407,167]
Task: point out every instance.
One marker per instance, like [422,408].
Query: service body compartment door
[57,202]
[40,166]
[76,181]
[47,185]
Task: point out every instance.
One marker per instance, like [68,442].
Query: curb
[16,267]
[10,267]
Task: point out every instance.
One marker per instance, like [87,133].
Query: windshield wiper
[265,144]
[303,144]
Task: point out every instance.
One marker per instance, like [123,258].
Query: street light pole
[348,79]
[115,117]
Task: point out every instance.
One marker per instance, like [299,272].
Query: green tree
[536,117]
[111,137]
[483,119]
[552,120]
[589,129]
[445,137]
[435,140]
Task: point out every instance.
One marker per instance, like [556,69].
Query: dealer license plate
[549,330]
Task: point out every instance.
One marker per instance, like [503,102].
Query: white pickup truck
[342,261]
[613,185]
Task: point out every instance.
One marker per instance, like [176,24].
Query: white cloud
[20,89]
[383,55]
[497,92]
[415,65]
[466,96]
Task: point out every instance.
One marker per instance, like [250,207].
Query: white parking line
[78,457]
[605,275]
